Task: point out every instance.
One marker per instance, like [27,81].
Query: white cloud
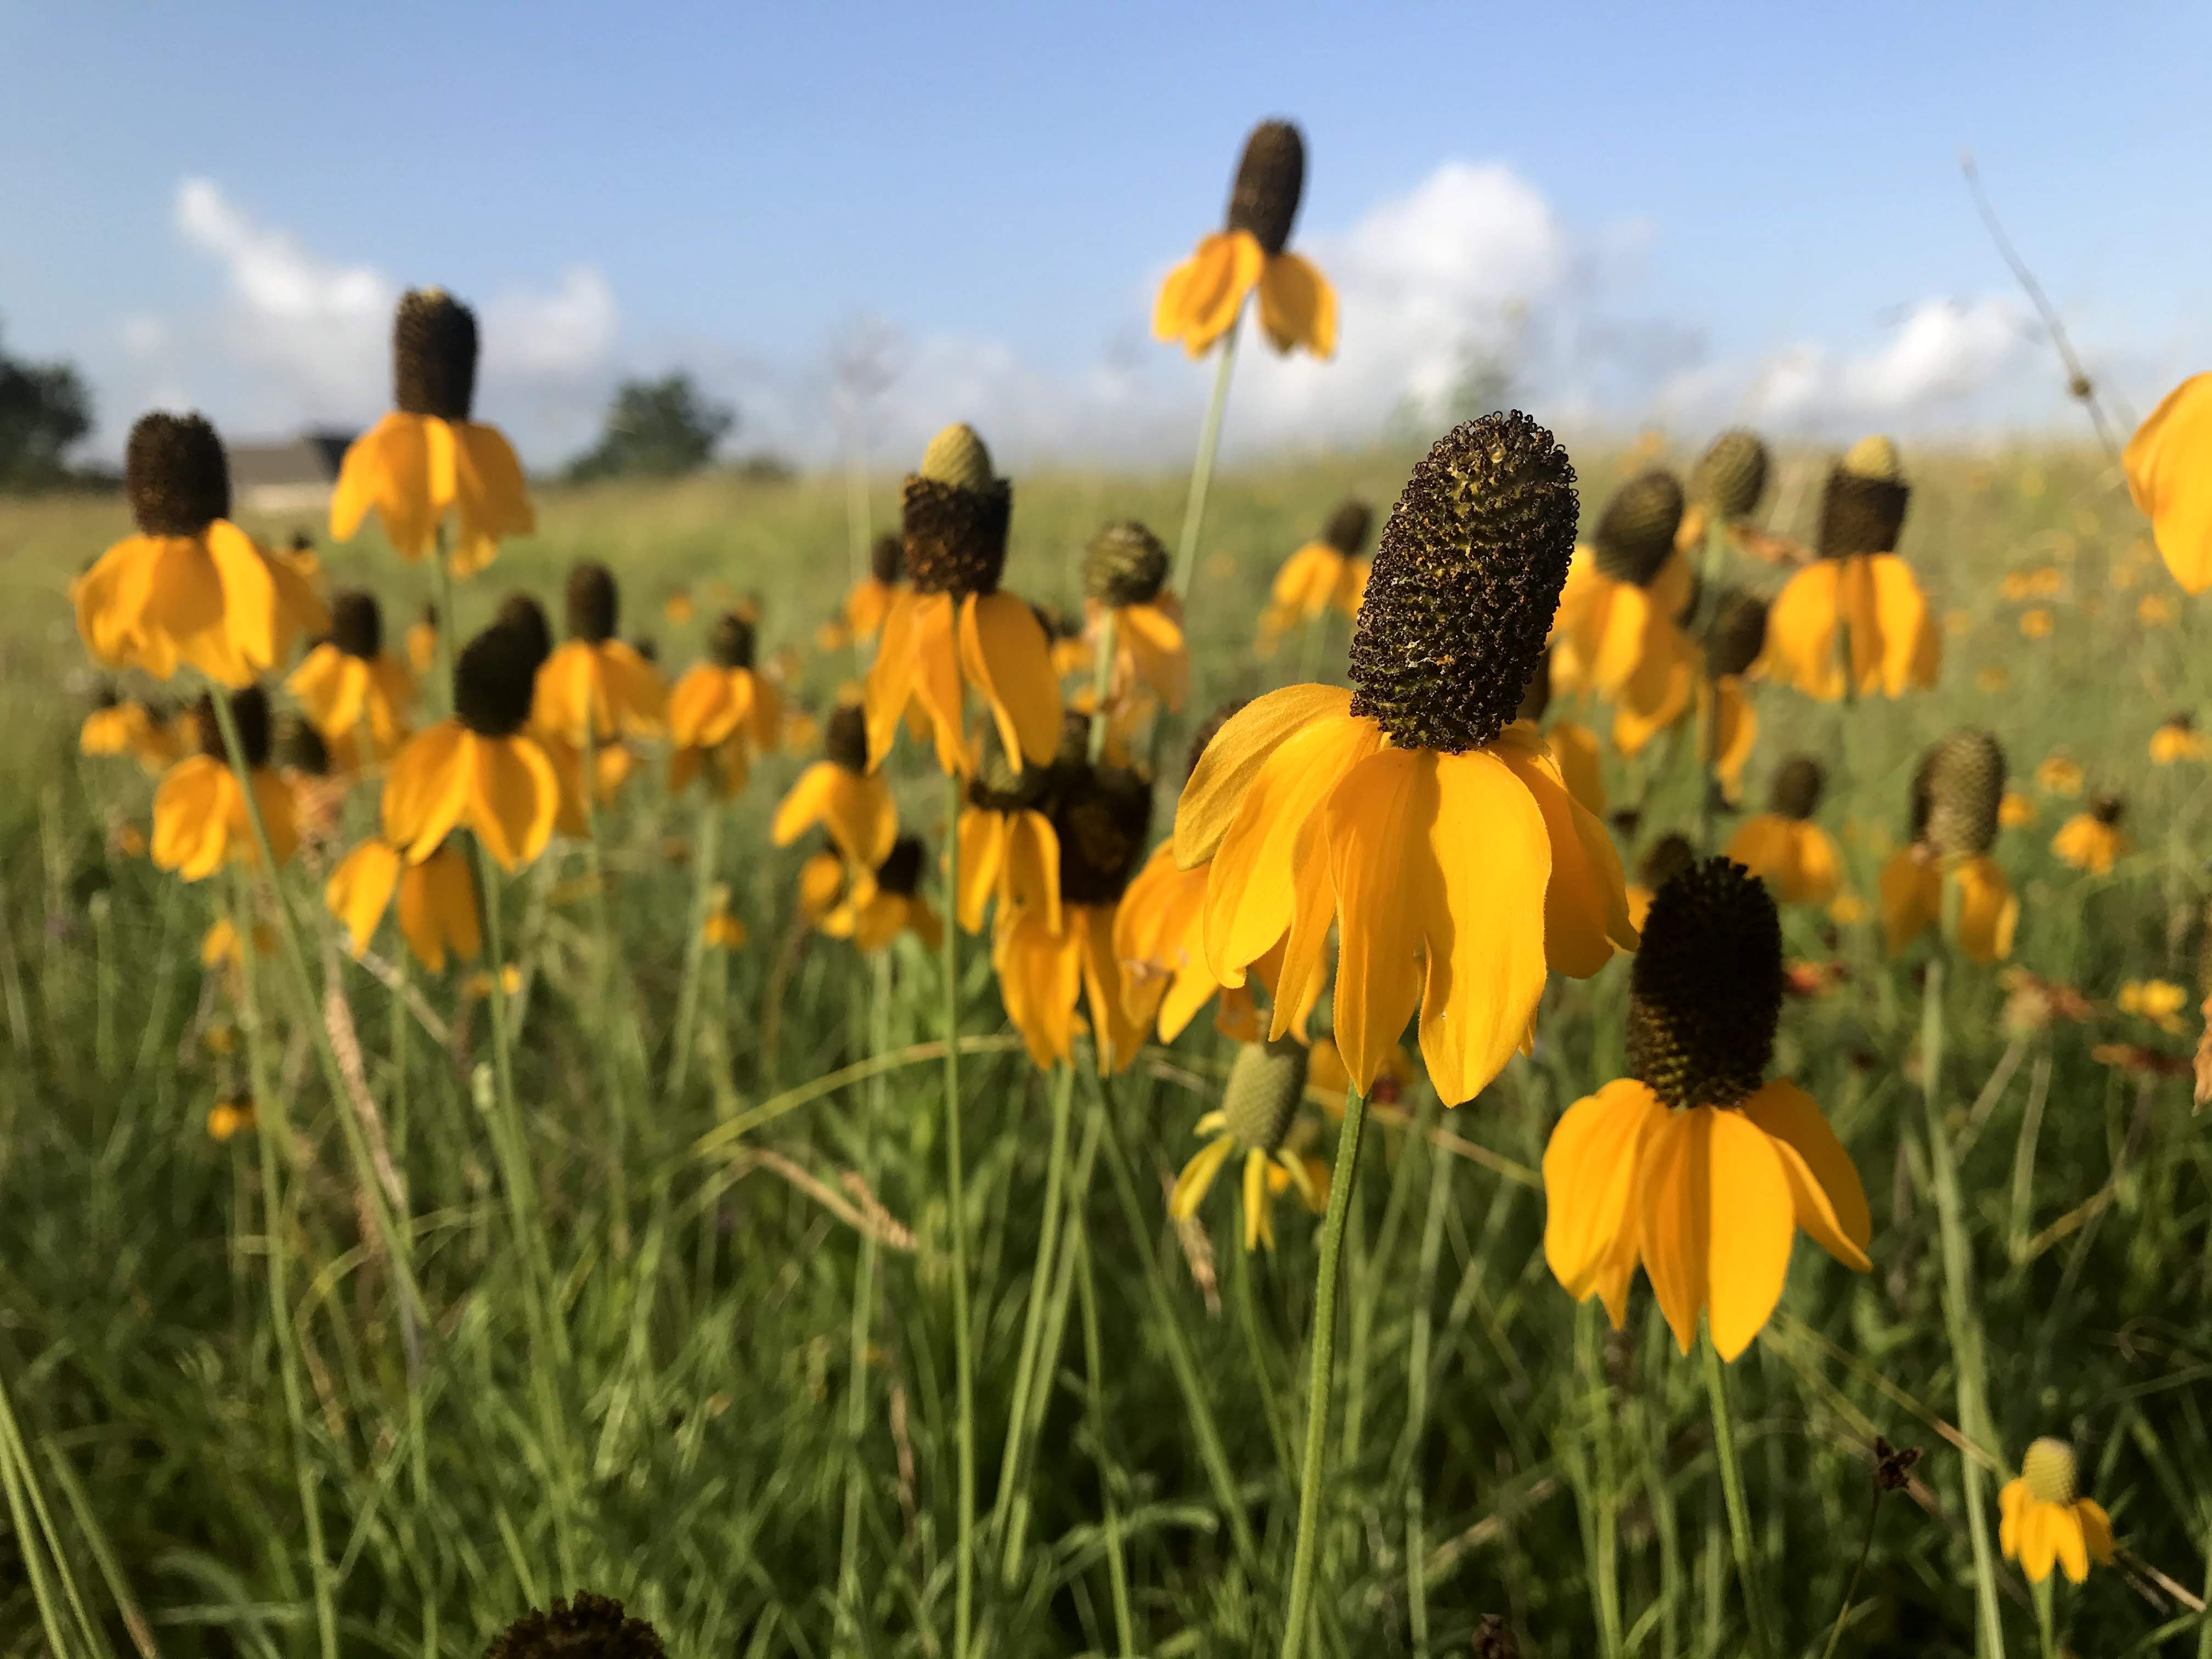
[144,335]
[1943,350]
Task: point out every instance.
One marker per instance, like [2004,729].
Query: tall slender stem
[1851,1587]
[1319,1386]
[1739,1512]
[964,1361]
[1117,1569]
[705,852]
[863,1305]
[1010,1461]
[1201,471]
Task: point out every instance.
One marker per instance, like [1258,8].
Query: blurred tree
[657,429]
[44,409]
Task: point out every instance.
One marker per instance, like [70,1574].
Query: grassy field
[744,1424]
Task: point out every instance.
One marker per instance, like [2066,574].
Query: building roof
[310,459]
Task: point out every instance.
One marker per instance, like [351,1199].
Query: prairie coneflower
[200,817]
[1619,631]
[1125,570]
[1733,638]
[870,601]
[1203,296]
[1267,1081]
[1008,848]
[1724,489]
[595,687]
[839,793]
[437,901]
[1783,846]
[1414,811]
[426,460]
[2045,1520]
[2059,774]
[2158,1001]
[1328,573]
[124,725]
[1695,1165]
[1859,588]
[190,587]
[955,625]
[587,1627]
[2091,840]
[722,715]
[2176,739]
[2169,467]
[481,768]
[880,903]
[350,676]
[1953,818]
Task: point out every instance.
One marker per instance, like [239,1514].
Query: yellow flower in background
[2016,811]
[1858,590]
[1009,850]
[2177,740]
[479,768]
[882,903]
[2044,1520]
[200,817]
[1202,297]
[2092,841]
[2059,774]
[954,628]
[221,946]
[1416,813]
[422,642]
[1124,572]
[1266,1082]
[350,678]
[1955,794]
[1783,846]
[724,929]
[437,901]
[676,609]
[722,715]
[1848,909]
[2035,624]
[478,986]
[2169,467]
[595,685]
[1617,628]
[190,587]
[1696,1166]
[1574,747]
[870,601]
[426,460]
[227,1118]
[1328,572]
[2157,610]
[839,793]
[2158,1001]
[121,726]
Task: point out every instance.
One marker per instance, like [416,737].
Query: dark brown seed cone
[526,617]
[494,679]
[593,603]
[1270,179]
[1956,791]
[301,747]
[1736,634]
[887,559]
[356,623]
[1125,564]
[1730,477]
[845,738]
[1635,534]
[588,1627]
[434,356]
[1705,991]
[1862,507]
[1494,1639]
[2108,809]
[1208,729]
[731,643]
[176,475]
[249,707]
[956,537]
[1348,527]
[997,787]
[1266,1082]
[105,695]
[1664,860]
[1101,815]
[1798,782]
[1536,697]
[1466,578]
[430,617]
[900,873]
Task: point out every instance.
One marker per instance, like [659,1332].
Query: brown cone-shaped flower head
[1635,534]
[1863,507]
[1705,991]
[588,1627]
[1737,633]
[593,603]
[522,613]
[1348,527]
[301,747]
[1270,179]
[1466,578]
[2050,1472]
[249,707]
[1125,564]
[887,559]
[434,356]
[1208,729]
[2108,809]
[1665,859]
[493,680]
[176,475]
[1266,1082]
[1730,477]
[1101,815]
[1798,782]
[955,513]
[845,738]
[1956,792]
[358,624]
[900,873]
[731,643]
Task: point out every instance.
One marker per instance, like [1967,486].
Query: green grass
[1494,1450]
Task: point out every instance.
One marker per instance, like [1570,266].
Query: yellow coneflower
[1415,811]
[870,601]
[1617,630]
[1858,587]
[1783,846]
[1953,821]
[839,793]
[723,929]
[2036,624]
[1009,850]
[1695,1165]
[879,904]
[200,817]
[480,769]
[1735,637]
[1099,816]
[437,902]
[1070,646]
[227,1118]
[351,675]
[955,625]
[422,641]
[2016,811]
[2169,467]
[2059,774]
[1266,1082]
[2176,739]
[2158,1000]
[1664,860]
[2091,840]
[821,885]
[675,608]
[124,725]
[2045,1520]
[1202,297]
[722,712]
[1328,573]
[190,587]
[426,460]
[595,686]
[1125,570]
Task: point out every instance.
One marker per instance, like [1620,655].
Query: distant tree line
[46,409]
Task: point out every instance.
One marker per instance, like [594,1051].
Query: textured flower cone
[1270,181]
[1957,790]
[1730,477]
[587,1628]
[1735,634]
[1125,564]
[1267,1081]
[1862,504]
[1124,570]
[1956,807]
[1635,535]
[2046,1521]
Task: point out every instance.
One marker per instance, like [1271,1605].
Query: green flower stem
[1324,1363]
[1117,1569]
[1602,1533]
[449,622]
[1201,471]
[872,1110]
[963,1360]
[606,976]
[1102,682]
[1010,1461]
[706,851]
[1739,1512]
[1851,1586]
[15,1458]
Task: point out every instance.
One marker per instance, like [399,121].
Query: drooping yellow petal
[983,846]
[1307,581]
[489,491]
[1830,1204]
[1988,909]
[249,592]
[1005,655]
[1585,900]
[360,889]
[426,788]
[1909,650]
[1040,978]
[1029,876]
[1589,1170]
[1297,306]
[2012,1504]
[1912,898]
[1575,748]
[1225,773]
[636,696]
[1717,1223]
[1197,1177]
[2040,1525]
[1800,632]
[190,817]
[1736,730]
[1226,269]
[515,796]
[1116,1037]
[2169,467]
[438,909]
[1154,639]
[934,648]
[2096,1529]
[1256,1230]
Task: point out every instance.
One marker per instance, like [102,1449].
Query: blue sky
[1681,213]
